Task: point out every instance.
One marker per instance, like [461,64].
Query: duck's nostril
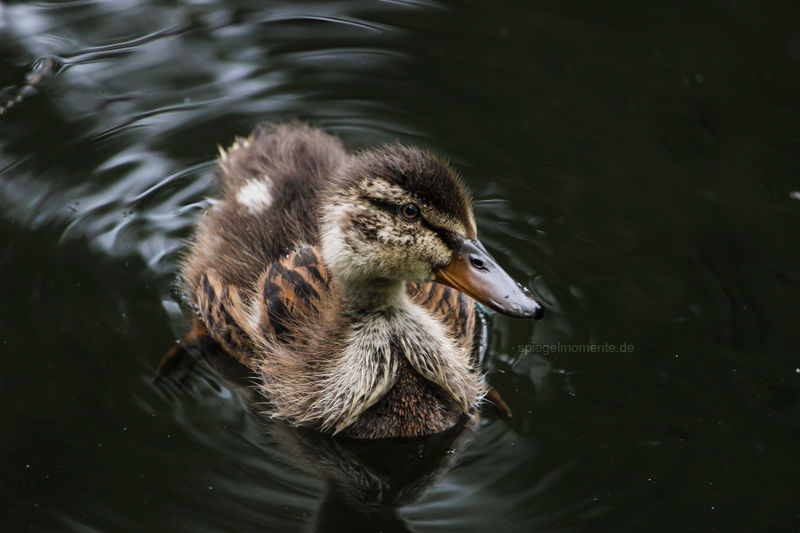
[477,262]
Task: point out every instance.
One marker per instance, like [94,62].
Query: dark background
[636,163]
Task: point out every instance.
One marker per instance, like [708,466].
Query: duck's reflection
[366,481]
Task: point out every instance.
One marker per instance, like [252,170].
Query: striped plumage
[315,268]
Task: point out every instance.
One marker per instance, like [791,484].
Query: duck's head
[399,214]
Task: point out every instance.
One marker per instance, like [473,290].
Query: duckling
[345,282]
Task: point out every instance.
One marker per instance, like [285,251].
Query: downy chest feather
[385,355]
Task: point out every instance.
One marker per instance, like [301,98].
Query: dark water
[636,163]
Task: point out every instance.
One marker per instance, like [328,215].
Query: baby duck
[345,282]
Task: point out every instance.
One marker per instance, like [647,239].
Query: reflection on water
[636,165]
[365,481]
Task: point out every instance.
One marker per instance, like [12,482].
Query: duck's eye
[409,211]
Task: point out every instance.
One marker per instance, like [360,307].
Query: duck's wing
[224,313]
[286,298]
[453,308]
[291,294]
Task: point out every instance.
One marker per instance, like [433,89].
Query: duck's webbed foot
[179,361]
[501,407]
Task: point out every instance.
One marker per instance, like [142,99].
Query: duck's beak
[474,272]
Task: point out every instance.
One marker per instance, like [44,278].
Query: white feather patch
[255,195]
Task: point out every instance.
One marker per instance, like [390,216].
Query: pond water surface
[637,164]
